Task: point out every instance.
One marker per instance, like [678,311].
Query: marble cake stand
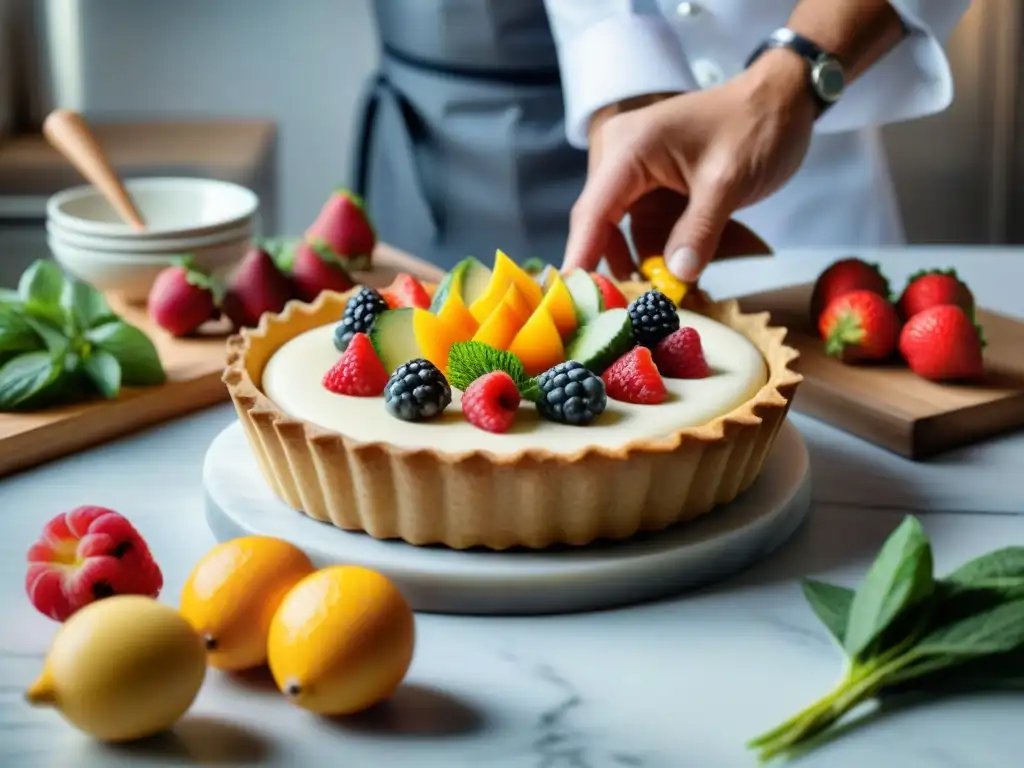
[441,580]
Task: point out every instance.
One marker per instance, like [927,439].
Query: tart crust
[531,499]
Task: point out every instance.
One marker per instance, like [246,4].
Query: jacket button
[687,10]
[707,73]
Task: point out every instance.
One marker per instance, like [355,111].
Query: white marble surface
[672,684]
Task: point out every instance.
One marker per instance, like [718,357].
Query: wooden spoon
[69,135]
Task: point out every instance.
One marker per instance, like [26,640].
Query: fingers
[696,235]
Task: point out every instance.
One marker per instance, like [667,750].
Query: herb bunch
[905,632]
[60,342]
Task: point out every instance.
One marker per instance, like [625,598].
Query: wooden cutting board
[889,405]
[193,366]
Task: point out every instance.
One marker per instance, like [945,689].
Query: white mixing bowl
[143,248]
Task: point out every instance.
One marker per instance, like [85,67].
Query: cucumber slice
[394,337]
[585,295]
[469,276]
[602,341]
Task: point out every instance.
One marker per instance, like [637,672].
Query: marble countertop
[681,682]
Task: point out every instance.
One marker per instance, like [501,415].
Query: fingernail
[684,264]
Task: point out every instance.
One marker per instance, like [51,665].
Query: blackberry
[571,393]
[417,390]
[360,312]
[654,317]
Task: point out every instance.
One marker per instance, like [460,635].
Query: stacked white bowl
[211,221]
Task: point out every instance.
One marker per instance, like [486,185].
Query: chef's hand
[712,152]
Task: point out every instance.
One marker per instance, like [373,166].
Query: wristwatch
[825,75]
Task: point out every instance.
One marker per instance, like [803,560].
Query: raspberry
[634,378]
[359,372]
[681,356]
[491,402]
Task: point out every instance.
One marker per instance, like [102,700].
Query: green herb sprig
[60,341]
[469,360]
[905,632]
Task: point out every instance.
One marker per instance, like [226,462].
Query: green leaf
[1001,567]
[85,305]
[103,371]
[25,376]
[281,250]
[134,352]
[534,265]
[831,604]
[40,289]
[900,578]
[469,360]
[54,338]
[200,279]
[998,629]
[16,334]
[9,297]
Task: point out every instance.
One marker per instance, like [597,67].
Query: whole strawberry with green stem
[844,276]
[931,288]
[343,228]
[860,326]
[942,343]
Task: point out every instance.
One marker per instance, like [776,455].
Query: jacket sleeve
[913,80]
[608,52]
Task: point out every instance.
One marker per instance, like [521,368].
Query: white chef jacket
[842,196]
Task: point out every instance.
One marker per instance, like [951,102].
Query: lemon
[341,641]
[122,668]
[232,593]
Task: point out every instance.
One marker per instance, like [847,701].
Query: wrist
[778,79]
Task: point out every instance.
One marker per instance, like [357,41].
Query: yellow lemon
[122,668]
[341,641]
[232,593]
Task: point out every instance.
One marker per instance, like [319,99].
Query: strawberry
[680,355]
[613,297]
[491,402]
[932,287]
[406,291]
[316,269]
[634,378]
[844,276]
[359,372]
[85,555]
[182,298]
[343,228]
[860,326]
[258,286]
[942,343]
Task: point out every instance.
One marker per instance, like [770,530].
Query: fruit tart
[513,411]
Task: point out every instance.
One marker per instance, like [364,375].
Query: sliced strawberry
[612,296]
[85,555]
[406,291]
[491,402]
[680,355]
[392,299]
[634,378]
[359,372]
[315,269]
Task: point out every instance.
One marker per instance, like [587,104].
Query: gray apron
[461,146]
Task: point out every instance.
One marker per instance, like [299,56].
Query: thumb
[695,237]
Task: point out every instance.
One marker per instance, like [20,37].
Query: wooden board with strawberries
[918,373]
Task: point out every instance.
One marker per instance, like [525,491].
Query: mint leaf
[40,289]
[16,335]
[900,578]
[104,372]
[84,305]
[138,358]
[469,360]
[831,604]
[26,376]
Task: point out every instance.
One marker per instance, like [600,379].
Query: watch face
[828,79]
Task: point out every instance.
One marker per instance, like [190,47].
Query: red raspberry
[681,356]
[612,296]
[634,378]
[359,372]
[491,402]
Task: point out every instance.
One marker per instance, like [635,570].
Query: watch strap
[807,49]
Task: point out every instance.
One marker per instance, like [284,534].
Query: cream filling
[292,380]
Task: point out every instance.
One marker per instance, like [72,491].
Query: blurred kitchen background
[263,92]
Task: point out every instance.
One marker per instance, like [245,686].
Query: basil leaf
[900,578]
[104,371]
[40,289]
[1002,566]
[54,339]
[135,353]
[998,629]
[16,335]
[25,376]
[84,305]
[9,297]
[831,604]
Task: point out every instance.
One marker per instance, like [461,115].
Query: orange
[232,593]
[341,641]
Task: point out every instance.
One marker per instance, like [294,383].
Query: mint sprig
[469,360]
[905,632]
[60,341]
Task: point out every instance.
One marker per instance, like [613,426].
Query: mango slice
[456,315]
[505,273]
[559,304]
[538,344]
[502,325]
[433,337]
